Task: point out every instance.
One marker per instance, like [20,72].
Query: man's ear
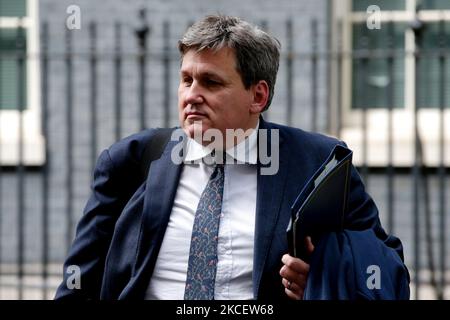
[260,96]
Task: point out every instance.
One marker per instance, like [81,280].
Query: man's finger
[309,245]
[290,285]
[295,264]
[292,295]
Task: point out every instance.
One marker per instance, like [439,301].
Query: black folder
[320,207]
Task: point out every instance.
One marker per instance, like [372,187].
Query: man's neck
[234,136]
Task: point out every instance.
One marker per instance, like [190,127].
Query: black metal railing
[68,158]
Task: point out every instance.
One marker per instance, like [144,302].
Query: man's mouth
[193,115]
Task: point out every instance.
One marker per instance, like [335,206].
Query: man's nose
[194,94]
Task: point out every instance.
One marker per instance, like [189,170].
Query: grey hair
[257,53]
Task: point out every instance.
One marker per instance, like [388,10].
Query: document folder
[320,207]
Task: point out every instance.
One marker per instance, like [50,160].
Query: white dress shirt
[236,227]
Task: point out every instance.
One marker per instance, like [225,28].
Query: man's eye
[212,82]
[187,81]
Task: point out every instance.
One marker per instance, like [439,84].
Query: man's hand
[294,273]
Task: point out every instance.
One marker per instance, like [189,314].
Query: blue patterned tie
[201,273]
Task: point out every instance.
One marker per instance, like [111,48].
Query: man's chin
[193,130]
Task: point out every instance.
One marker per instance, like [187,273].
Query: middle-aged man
[204,229]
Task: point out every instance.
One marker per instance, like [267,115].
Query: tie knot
[218,171]
[220,157]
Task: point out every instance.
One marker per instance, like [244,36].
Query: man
[202,229]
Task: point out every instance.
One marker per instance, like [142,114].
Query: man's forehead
[208,61]
[202,70]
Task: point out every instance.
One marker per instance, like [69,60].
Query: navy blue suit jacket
[120,234]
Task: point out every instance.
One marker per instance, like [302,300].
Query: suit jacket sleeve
[363,214]
[94,231]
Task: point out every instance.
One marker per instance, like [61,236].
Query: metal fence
[37,217]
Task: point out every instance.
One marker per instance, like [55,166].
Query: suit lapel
[161,188]
[162,184]
[270,192]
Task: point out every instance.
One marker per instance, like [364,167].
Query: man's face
[211,91]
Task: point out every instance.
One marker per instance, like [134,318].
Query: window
[435,37]
[13,69]
[19,83]
[12,45]
[435,4]
[372,76]
[375,81]
[362,5]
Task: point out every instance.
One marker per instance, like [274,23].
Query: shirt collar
[244,152]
